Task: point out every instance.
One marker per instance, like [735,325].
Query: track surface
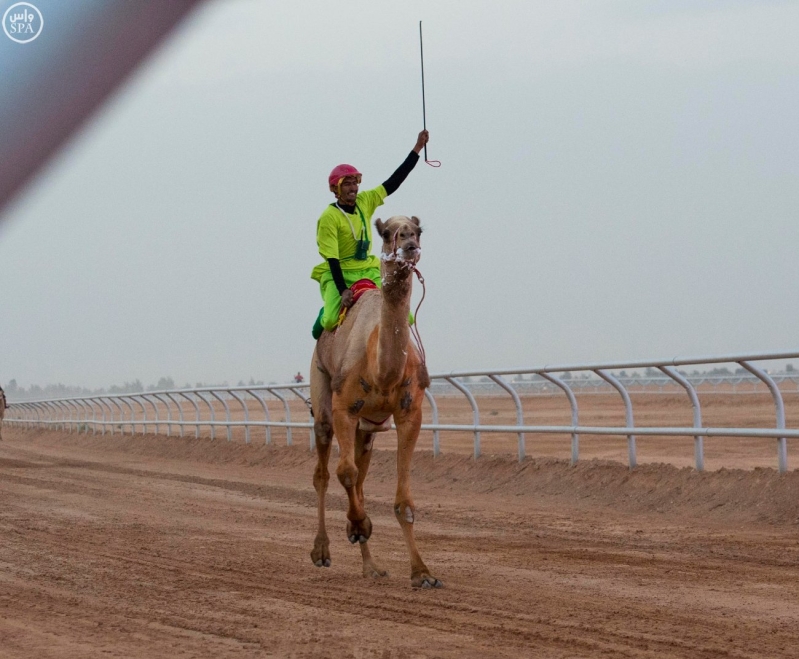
[155,547]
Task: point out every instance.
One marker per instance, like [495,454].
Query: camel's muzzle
[410,252]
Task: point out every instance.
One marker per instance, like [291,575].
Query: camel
[3,406]
[362,375]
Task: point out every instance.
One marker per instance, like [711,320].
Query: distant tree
[719,371]
[12,387]
[163,383]
[789,368]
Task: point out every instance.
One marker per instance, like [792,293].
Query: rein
[415,327]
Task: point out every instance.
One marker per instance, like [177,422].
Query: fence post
[475,412]
[431,399]
[246,416]
[628,411]
[519,412]
[699,447]
[575,415]
[282,398]
[227,413]
[782,447]
[260,399]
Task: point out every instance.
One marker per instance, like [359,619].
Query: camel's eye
[386,234]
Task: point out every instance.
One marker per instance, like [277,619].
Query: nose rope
[415,327]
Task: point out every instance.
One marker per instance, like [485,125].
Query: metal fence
[259,406]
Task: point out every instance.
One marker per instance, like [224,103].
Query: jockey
[344,236]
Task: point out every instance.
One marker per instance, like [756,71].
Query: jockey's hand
[347,299]
[424,138]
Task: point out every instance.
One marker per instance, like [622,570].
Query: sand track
[154,546]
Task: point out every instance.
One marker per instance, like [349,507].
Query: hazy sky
[619,181]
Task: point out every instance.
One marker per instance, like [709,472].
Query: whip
[432,163]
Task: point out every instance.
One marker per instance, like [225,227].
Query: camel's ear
[379,226]
[415,220]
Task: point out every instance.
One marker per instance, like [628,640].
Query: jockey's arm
[341,285]
[396,179]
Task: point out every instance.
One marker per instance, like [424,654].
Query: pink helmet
[341,171]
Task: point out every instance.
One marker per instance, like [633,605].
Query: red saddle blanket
[358,288]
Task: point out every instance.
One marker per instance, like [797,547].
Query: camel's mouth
[403,256]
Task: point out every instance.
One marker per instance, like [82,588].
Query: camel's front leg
[407,433]
[363,456]
[359,526]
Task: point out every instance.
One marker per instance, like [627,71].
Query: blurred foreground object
[52,85]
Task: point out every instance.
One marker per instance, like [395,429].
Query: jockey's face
[349,190]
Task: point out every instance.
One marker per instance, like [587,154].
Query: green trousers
[328,314]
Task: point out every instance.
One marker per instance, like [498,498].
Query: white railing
[170,408]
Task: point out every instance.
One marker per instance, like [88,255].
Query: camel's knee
[321,477]
[323,432]
[347,475]
[405,511]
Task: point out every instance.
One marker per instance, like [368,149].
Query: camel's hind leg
[323,430]
[407,433]
[363,456]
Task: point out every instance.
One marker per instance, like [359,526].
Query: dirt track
[154,546]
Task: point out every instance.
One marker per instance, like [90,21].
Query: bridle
[415,327]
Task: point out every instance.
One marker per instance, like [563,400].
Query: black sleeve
[395,180]
[338,276]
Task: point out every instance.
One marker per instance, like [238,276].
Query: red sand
[153,547]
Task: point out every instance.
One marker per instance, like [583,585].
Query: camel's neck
[392,344]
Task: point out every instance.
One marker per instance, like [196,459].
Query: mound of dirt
[724,497]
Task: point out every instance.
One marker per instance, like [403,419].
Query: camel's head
[401,240]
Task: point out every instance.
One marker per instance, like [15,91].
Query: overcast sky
[619,181]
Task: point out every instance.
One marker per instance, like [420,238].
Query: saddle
[358,289]
[367,425]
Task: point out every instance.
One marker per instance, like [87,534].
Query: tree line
[35,391]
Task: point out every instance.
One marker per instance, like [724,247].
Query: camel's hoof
[426,581]
[320,554]
[374,572]
[359,531]
[355,539]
